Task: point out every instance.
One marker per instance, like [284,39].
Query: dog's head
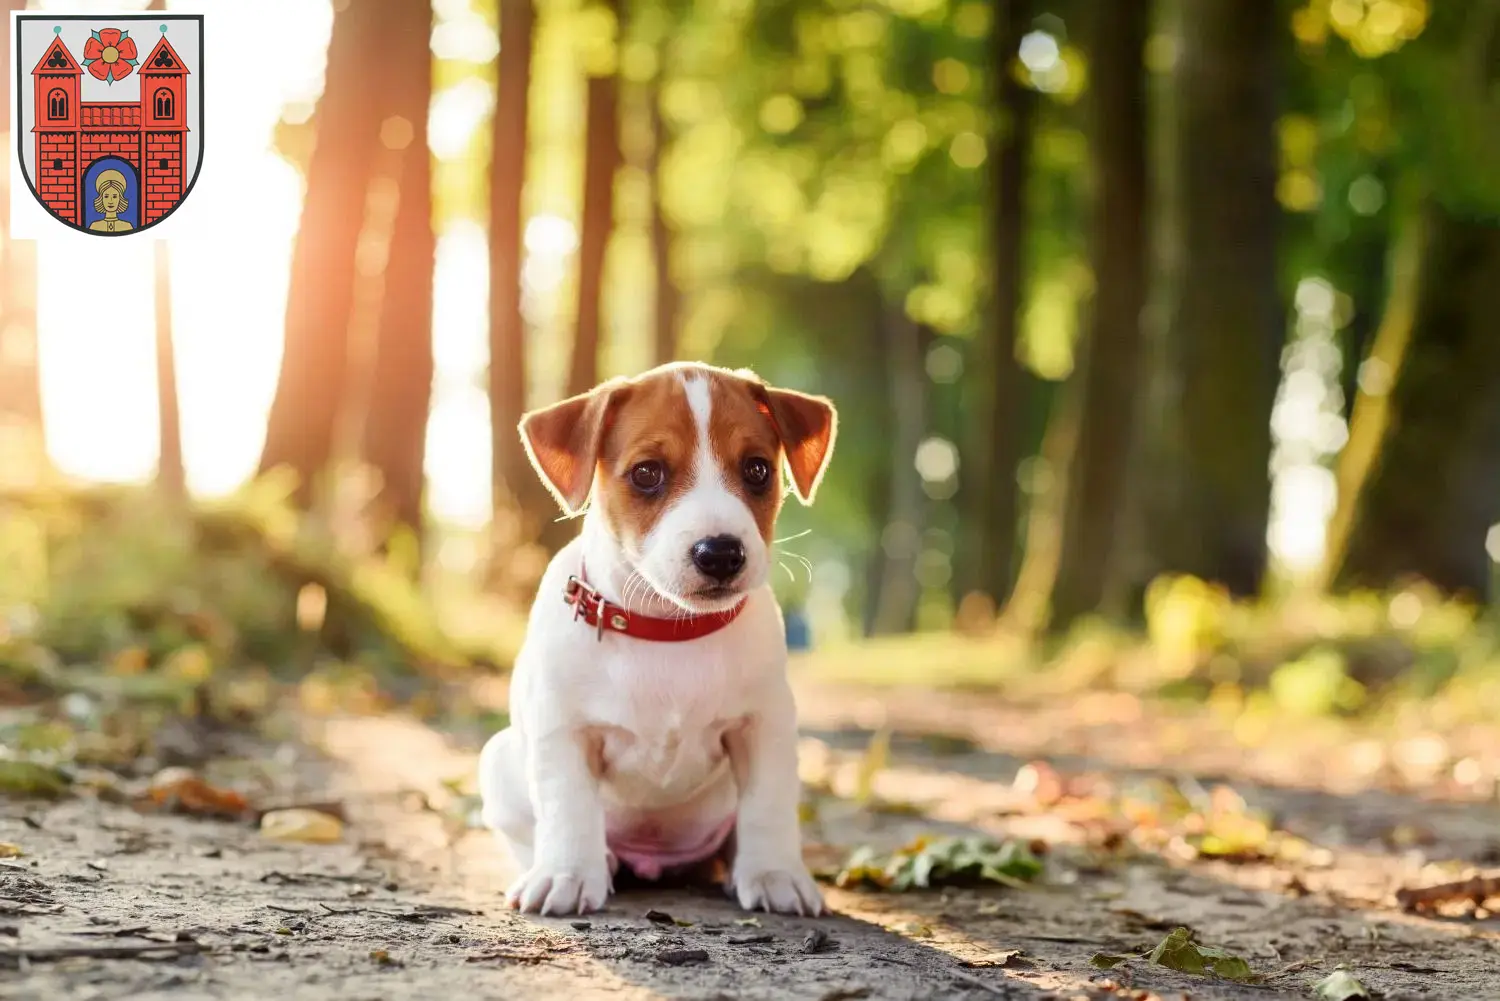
[684,464]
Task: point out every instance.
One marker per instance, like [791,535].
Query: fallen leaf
[1104,961]
[1341,985]
[131,660]
[180,789]
[1178,952]
[29,779]
[659,917]
[9,849]
[681,957]
[747,922]
[931,863]
[301,825]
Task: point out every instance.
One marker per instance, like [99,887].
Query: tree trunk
[1225,325]
[600,160]
[170,477]
[1026,612]
[1110,355]
[511,473]
[668,297]
[395,426]
[313,381]
[1432,492]
[895,609]
[999,382]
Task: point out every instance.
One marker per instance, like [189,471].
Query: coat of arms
[109,115]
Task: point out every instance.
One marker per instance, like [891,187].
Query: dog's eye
[648,477]
[757,473]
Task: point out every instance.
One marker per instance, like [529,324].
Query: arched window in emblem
[57,103]
[163,103]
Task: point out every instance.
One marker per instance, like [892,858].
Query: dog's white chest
[664,758]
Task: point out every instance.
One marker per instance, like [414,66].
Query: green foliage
[932,863]
[1315,684]
[123,585]
[30,780]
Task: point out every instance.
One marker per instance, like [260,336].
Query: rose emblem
[110,55]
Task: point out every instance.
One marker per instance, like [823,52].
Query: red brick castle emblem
[110,140]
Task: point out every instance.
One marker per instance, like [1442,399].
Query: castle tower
[57,76]
[163,129]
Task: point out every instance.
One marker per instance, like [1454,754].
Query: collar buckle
[585,598]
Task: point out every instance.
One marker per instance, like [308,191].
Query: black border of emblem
[159,17]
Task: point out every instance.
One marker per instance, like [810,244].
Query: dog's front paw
[555,889]
[780,889]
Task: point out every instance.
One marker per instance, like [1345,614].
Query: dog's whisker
[635,585]
[803,560]
[791,538]
[791,576]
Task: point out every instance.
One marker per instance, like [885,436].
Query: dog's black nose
[719,557]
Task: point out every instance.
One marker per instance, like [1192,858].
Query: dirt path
[407,906]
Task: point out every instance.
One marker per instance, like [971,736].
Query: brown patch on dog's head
[611,430]
[805,426]
[740,437]
[652,425]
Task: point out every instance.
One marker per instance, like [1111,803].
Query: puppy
[652,723]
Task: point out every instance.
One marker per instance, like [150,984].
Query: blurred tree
[668,297]
[897,588]
[400,391]
[313,383]
[1225,319]
[601,159]
[20,389]
[170,477]
[1425,505]
[1419,481]
[1109,358]
[522,506]
[999,381]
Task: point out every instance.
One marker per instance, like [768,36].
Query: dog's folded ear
[563,443]
[807,426]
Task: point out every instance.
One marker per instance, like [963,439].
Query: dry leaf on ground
[181,789]
[1341,985]
[301,825]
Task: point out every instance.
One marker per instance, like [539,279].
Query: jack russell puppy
[652,722]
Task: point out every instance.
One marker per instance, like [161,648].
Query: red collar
[595,610]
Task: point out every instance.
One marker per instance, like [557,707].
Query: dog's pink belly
[650,850]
